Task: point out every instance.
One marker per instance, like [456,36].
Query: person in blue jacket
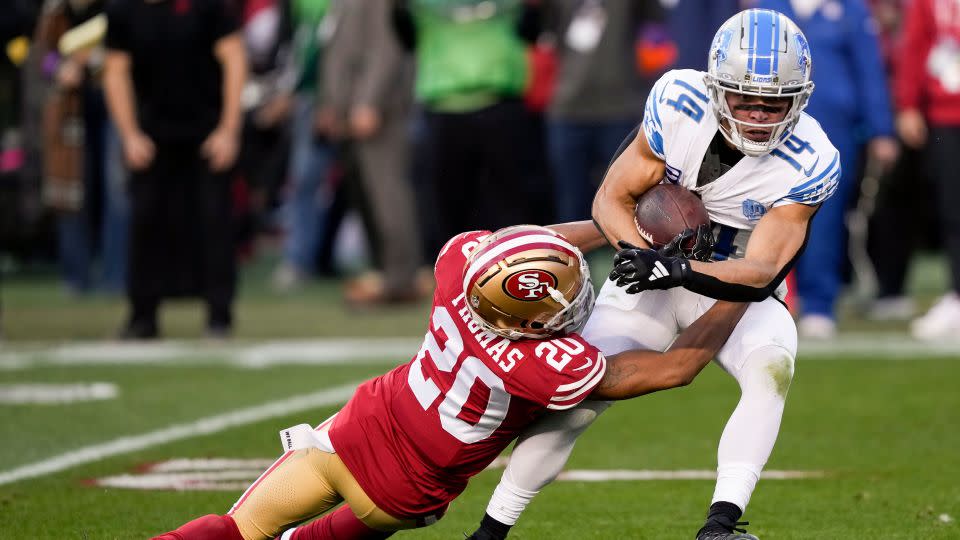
[852,103]
[692,24]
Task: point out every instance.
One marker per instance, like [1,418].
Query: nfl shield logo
[753,210]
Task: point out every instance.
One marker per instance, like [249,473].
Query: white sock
[752,429]
[538,457]
[508,502]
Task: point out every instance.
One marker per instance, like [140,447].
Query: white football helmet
[528,282]
[759,52]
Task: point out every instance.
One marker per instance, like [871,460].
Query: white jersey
[679,124]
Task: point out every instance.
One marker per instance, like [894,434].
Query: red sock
[209,527]
[340,524]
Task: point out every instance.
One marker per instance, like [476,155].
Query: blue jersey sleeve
[652,121]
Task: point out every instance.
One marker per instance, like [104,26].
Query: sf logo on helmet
[529,285]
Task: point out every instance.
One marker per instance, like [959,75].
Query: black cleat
[716,529]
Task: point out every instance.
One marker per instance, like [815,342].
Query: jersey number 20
[445,357]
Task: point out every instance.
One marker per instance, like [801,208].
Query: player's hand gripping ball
[674,221]
[640,269]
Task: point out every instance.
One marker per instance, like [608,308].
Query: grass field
[882,428]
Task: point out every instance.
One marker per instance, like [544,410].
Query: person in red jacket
[927,87]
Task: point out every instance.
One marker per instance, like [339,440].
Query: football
[665,211]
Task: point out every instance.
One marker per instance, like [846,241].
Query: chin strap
[558,297]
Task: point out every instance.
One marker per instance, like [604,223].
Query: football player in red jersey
[500,351]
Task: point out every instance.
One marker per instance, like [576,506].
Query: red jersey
[414,436]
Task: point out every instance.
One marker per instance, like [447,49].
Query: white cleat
[817,327]
[941,322]
[893,308]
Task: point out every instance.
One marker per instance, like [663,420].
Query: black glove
[702,249]
[644,269]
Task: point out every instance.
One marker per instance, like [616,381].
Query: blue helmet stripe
[763,52]
[751,47]
[776,43]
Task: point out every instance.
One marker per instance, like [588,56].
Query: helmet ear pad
[528,282]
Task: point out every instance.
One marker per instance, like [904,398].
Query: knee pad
[770,366]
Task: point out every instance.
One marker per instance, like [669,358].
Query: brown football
[665,210]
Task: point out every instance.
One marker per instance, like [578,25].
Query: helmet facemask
[732,128]
[759,52]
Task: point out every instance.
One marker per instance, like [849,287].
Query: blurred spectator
[928,114]
[599,92]
[265,147]
[852,104]
[693,24]
[16,22]
[311,152]
[903,194]
[78,182]
[471,73]
[368,84]
[173,76]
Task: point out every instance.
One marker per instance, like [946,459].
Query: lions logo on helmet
[527,281]
[720,45]
[763,54]
[803,52]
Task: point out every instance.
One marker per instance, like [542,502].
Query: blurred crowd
[146,145]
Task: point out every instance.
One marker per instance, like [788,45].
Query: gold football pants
[300,485]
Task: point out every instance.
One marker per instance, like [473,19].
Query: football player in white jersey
[738,137]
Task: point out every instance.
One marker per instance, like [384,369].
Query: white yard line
[224,474]
[203,426]
[246,355]
[55,393]
[633,475]
[382,351]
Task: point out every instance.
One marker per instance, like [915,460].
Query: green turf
[884,432]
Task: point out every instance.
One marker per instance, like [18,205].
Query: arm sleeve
[869,72]
[918,34]
[734,292]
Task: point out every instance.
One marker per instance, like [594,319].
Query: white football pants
[759,354]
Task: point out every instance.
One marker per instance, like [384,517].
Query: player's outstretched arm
[634,170]
[773,248]
[583,234]
[635,373]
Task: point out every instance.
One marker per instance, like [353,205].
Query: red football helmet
[528,281]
